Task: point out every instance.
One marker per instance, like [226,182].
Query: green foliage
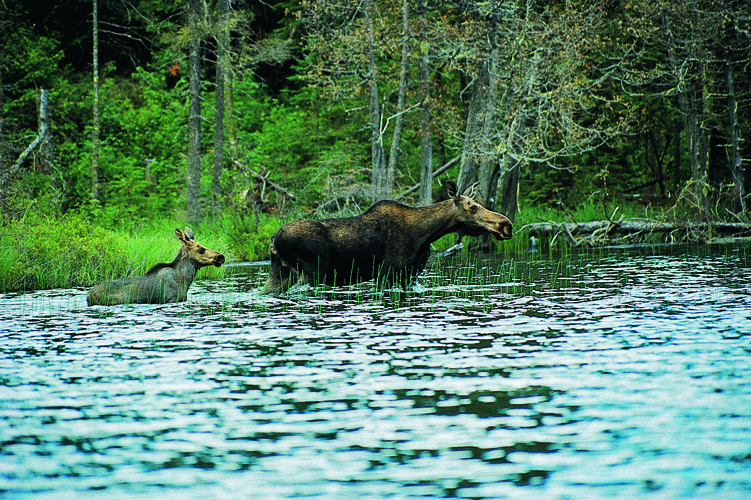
[249,236]
[45,253]
[68,252]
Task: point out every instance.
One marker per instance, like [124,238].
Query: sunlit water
[611,374]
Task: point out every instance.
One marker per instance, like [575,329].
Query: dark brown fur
[388,241]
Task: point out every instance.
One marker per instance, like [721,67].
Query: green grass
[44,253]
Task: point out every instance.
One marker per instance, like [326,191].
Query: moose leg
[279,276]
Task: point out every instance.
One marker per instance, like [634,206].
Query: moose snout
[506,230]
[218,260]
[503,230]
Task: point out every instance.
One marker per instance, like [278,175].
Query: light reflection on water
[615,374]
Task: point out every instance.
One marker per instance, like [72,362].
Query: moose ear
[471,191]
[180,235]
[452,188]
[189,233]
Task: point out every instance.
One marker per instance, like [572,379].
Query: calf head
[198,254]
[476,220]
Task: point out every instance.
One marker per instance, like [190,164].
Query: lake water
[614,373]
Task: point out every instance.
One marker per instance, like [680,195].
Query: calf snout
[218,260]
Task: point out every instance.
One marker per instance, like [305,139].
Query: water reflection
[590,375]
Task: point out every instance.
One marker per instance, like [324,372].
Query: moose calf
[388,241]
[163,283]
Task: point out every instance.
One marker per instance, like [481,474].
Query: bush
[50,253]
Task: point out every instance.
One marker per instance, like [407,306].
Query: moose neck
[183,266]
[434,221]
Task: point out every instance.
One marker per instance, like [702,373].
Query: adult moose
[388,241]
[163,283]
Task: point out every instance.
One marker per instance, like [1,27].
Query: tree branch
[436,173]
[43,102]
[276,187]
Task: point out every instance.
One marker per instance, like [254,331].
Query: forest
[121,120]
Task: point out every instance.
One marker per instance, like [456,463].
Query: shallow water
[609,374]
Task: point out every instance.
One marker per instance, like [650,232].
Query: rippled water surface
[618,373]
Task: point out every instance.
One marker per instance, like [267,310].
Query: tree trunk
[692,107]
[734,150]
[95,128]
[471,151]
[509,190]
[4,150]
[401,99]
[489,161]
[426,149]
[194,120]
[376,145]
[221,65]
[47,152]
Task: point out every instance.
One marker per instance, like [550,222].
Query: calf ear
[452,188]
[180,235]
[189,233]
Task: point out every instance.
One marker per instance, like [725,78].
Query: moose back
[388,241]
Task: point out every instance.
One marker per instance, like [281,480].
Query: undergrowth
[44,252]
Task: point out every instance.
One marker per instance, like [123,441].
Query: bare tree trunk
[95,138]
[221,66]
[509,191]
[692,108]
[489,161]
[426,147]
[734,151]
[194,120]
[508,184]
[689,62]
[47,152]
[471,151]
[376,145]
[401,99]
[229,110]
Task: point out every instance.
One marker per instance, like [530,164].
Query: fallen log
[603,229]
